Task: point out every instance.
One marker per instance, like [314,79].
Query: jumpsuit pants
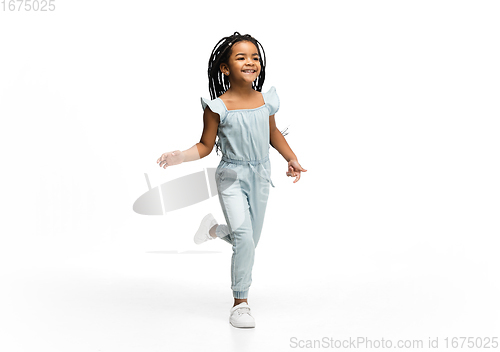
[243,188]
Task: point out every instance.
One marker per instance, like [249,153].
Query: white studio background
[391,106]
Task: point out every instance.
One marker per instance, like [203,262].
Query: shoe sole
[242,325]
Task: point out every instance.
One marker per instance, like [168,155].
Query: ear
[224,68]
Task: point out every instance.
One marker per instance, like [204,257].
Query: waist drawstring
[250,163]
[267,179]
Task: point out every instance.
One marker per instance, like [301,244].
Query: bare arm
[278,142]
[206,144]
[200,149]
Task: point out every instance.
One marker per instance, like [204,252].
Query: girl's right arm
[199,150]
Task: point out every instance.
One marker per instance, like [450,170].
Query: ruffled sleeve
[272,101]
[214,105]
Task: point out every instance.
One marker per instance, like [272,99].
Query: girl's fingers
[292,173]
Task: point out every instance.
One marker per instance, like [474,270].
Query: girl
[243,120]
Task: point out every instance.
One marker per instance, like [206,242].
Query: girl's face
[243,64]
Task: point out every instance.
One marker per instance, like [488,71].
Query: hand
[171,159]
[294,169]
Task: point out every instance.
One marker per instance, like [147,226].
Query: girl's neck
[241,90]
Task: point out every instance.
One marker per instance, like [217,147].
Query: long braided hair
[218,83]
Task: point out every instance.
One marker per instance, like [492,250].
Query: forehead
[245,47]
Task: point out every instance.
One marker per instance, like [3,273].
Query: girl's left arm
[279,143]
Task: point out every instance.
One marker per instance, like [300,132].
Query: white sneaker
[203,234]
[240,316]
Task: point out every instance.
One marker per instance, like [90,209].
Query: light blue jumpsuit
[243,177]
